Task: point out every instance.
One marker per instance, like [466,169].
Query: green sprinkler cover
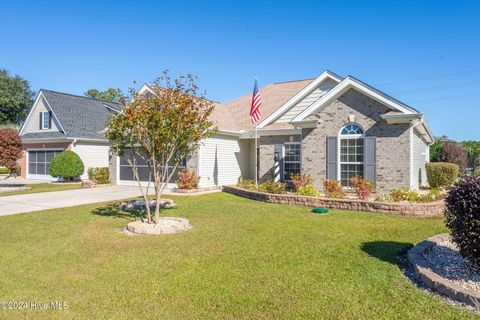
[320,210]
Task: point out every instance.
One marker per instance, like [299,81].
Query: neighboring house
[329,127]
[60,121]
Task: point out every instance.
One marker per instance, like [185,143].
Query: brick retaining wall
[407,209]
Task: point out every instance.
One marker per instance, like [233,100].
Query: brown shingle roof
[273,96]
[222,118]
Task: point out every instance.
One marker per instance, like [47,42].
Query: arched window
[351,153]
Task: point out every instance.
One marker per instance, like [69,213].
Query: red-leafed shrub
[363,188]
[10,148]
[300,180]
[333,189]
[187,180]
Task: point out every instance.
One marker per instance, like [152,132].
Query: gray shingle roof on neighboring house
[80,117]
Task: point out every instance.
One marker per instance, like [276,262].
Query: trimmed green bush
[248,184]
[100,175]
[66,165]
[272,187]
[462,216]
[308,190]
[441,174]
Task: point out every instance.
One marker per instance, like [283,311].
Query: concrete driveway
[60,199]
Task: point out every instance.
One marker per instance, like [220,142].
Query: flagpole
[256,151]
[256,155]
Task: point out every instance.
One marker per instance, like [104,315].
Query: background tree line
[465,154]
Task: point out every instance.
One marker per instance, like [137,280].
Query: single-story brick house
[329,127]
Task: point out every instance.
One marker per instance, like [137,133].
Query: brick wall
[267,149]
[393,141]
[407,209]
[50,145]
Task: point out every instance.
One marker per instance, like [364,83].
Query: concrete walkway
[59,199]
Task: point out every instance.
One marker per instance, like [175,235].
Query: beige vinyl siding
[92,154]
[223,160]
[33,122]
[316,94]
[419,159]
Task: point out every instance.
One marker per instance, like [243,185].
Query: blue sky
[424,53]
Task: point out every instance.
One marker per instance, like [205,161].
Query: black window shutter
[40,122]
[332,158]
[370,171]
[49,119]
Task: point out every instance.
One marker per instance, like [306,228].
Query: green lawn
[242,260]
[44,187]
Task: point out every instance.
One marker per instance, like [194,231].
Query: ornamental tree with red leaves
[10,148]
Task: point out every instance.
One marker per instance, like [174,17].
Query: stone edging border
[435,208]
[422,270]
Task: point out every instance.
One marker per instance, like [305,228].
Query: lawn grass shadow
[387,251]
[112,210]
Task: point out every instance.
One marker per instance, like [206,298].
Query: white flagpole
[256,155]
[256,151]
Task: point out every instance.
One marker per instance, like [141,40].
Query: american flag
[256,104]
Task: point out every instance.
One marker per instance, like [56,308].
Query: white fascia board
[146,87]
[46,140]
[41,95]
[401,118]
[344,86]
[229,133]
[54,115]
[90,140]
[306,123]
[416,119]
[299,96]
[272,132]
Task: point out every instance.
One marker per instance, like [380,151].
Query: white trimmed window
[351,153]
[45,120]
[291,160]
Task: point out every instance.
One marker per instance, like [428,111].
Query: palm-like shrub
[66,165]
[462,217]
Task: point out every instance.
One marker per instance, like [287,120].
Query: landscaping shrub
[99,175]
[300,180]
[248,184]
[187,180]
[308,190]
[10,149]
[66,165]
[477,171]
[433,195]
[441,174]
[404,194]
[363,188]
[272,187]
[462,217]
[333,189]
